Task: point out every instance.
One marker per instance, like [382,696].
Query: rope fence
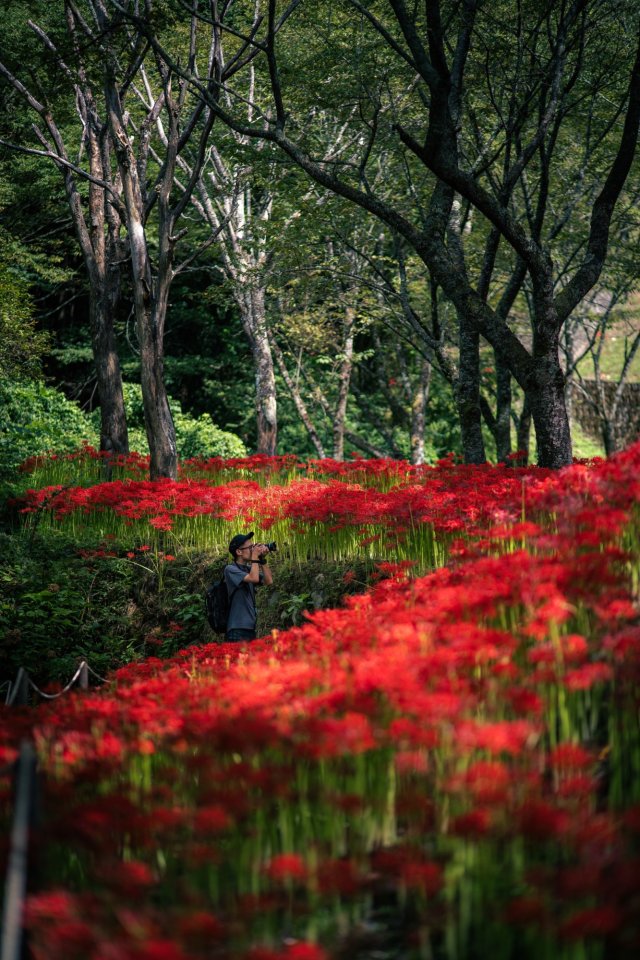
[23,771]
[18,691]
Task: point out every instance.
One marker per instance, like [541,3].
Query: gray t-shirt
[242,613]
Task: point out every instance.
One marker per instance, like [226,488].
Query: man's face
[243,553]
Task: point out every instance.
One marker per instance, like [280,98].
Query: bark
[468,393]
[104,271]
[524,433]
[549,413]
[503,412]
[231,212]
[113,423]
[150,316]
[251,302]
[97,226]
[150,296]
[609,438]
[344,380]
[419,413]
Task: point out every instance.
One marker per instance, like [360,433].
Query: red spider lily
[475,823]
[339,876]
[570,756]
[423,876]
[199,928]
[526,910]
[586,676]
[441,713]
[292,951]
[130,878]
[542,821]
[54,905]
[509,736]
[212,819]
[597,921]
[286,866]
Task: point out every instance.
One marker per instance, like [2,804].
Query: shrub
[35,419]
[195,436]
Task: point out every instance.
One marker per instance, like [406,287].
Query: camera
[271,547]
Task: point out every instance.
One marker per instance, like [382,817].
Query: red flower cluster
[467,738]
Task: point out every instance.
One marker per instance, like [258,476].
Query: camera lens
[271,547]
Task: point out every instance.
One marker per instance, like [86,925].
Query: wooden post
[18,694]
[16,880]
[83,680]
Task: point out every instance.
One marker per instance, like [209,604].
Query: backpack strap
[235,589]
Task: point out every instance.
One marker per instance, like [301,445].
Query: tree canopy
[380,215]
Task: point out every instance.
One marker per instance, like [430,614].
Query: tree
[97,219]
[21,343]
[180,124]
[447,73]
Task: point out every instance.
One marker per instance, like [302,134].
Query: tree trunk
[549,413]
[609,440]
[344,381]
[468,392]
[98,235]
[251,302]
[419,412]
[150,297]
[524,433]
[159,426]
[114,437]
[503,412]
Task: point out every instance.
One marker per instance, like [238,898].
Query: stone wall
[628,419]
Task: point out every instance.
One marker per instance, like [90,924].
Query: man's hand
[258,552]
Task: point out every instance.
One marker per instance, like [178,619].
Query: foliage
[34,419]
[63,599]
[195,436]
[57,609]
[21,343]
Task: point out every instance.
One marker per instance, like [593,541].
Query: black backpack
[218,604]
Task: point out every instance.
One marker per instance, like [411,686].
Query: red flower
[476,823]
[286,866]
[597,921]
[586,676]
[525,910]
[212,819]
[422,876]
[305,951]
[570,756]
[541,821]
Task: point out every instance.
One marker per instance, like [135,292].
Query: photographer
[247,571]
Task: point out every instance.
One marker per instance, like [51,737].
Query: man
[247,571]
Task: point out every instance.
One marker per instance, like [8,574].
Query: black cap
[238,541]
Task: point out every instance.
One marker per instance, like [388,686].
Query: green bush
[62,601]
[57,608]
[195,437]
[21,343]
[35,419]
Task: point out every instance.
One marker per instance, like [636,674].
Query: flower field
[448,767]
[382,509]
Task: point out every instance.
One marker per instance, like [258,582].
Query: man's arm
[254,575]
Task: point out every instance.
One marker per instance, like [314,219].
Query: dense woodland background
[328,228]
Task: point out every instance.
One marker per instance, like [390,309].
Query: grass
[619,337]
[585,446]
